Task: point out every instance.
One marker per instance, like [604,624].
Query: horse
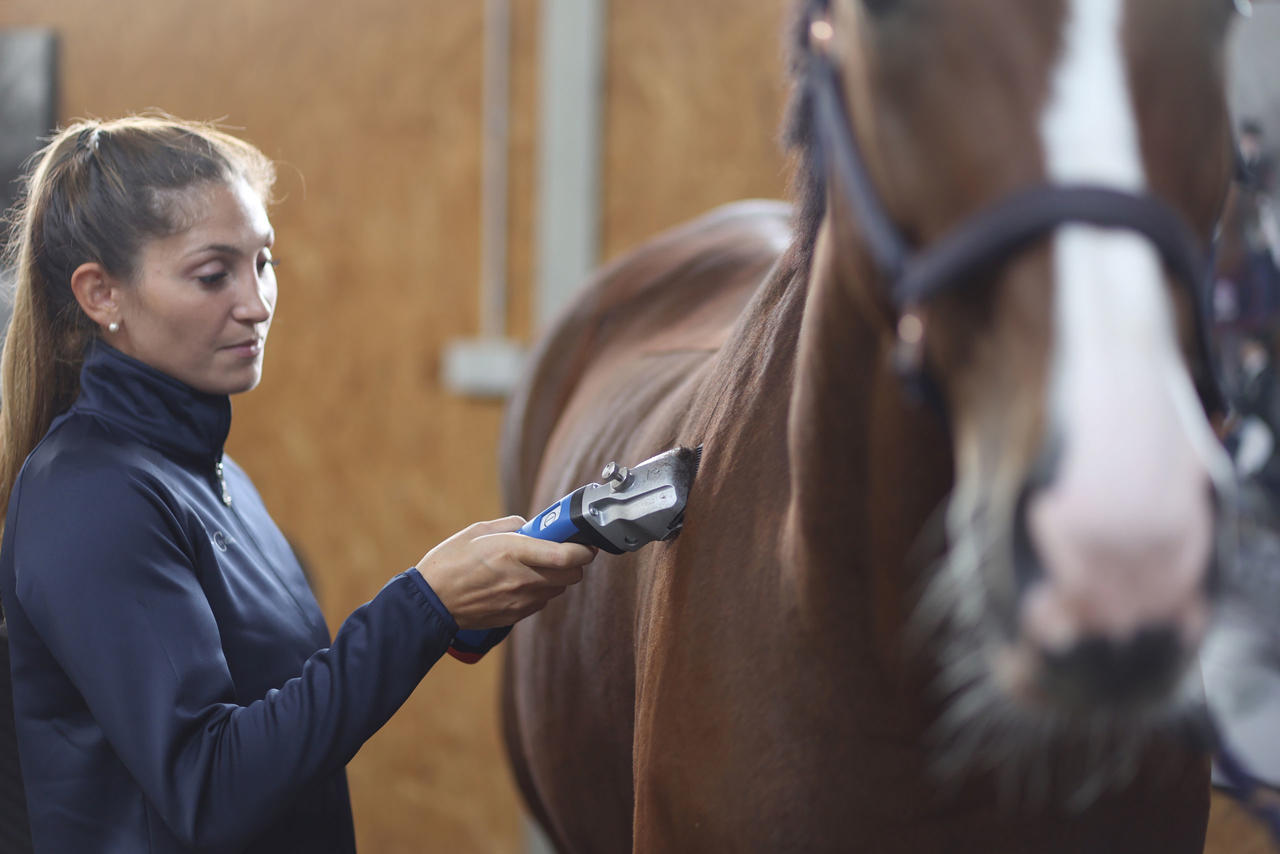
[951,548]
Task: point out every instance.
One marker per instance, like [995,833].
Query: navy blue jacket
[175,687]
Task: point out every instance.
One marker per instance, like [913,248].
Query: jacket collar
[156,408]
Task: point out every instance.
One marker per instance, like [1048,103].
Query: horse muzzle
[1115,566]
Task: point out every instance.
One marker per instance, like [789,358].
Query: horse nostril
[1100,670]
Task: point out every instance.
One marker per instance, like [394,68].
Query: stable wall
[373,111]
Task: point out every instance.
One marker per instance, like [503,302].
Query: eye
[265,261]
[212,279]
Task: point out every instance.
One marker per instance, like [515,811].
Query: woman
[174,683]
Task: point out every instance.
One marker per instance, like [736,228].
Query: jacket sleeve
[105,574]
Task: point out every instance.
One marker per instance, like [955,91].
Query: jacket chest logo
[221,540]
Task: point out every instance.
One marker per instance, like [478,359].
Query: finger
[534,552]
[560,576]
[566,556]
[576,556]
[505,525]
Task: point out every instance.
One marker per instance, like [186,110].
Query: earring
[113,326]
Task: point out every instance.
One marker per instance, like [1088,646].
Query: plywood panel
[695,95]
[373,112]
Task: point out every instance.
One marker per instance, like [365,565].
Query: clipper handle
[555,524]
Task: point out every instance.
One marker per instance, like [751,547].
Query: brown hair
[95,193]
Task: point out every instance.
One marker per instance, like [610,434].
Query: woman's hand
[487,575]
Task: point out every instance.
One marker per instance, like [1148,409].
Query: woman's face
[201,300]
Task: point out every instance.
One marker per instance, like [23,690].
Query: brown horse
[890,627]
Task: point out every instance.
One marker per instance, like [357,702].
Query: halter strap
[1000,231]
[889,251]
[990,237]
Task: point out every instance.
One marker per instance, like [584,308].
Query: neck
[869,469]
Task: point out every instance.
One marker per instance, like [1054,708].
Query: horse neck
[868,469]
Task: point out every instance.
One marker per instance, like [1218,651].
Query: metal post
[572,88]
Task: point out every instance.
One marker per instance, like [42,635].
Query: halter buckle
[821,32]
[908,350]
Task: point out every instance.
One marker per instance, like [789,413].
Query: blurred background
[448,172]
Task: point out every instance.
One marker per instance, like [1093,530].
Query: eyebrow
[228,249]
[220,248]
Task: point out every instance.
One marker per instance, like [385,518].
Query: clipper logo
[549,519]
[221,540]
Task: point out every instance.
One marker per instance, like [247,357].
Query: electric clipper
[631,508]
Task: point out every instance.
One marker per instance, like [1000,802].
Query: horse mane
[799,136]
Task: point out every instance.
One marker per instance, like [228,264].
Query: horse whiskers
[1034,754]
[955,577]
[956,589]
[930,542]
[1039,754]
[932,538]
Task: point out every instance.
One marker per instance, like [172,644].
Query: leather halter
[913,276]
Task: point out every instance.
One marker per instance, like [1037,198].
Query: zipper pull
[226,495]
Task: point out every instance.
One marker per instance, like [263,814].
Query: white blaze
[1125,529]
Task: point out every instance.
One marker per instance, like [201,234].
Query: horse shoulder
[681,291]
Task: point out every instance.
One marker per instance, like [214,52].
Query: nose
[1087,568]
[1112,604]
[255,301]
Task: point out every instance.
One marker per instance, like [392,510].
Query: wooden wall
[693,116]
[373,112]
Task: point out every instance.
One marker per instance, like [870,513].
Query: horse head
[1019,197]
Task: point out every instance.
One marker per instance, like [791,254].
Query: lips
[247,347]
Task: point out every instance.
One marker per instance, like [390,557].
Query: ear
[96,291]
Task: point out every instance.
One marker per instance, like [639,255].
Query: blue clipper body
[557,524]
[632,508]
[563,522]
